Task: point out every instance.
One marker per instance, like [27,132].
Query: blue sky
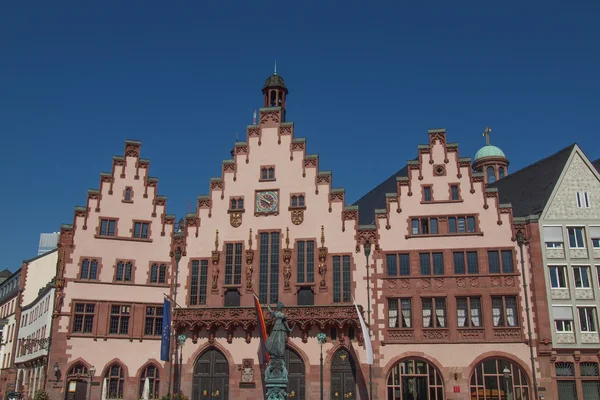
[366,81]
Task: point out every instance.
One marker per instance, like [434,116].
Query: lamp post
[55,367]
[322,338]
[91,373]
[367,254]
[181,341]
[522,241]
[177,255]
[506,373]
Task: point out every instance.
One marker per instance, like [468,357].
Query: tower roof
[275,81]
[489,151]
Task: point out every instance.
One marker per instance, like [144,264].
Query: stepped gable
[530,188]
[438,159]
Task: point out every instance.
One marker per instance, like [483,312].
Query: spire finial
[486,134]
[236,137]
[275,73]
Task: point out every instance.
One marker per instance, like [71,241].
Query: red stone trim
[141,221]
[312,162]
[100,218]
[109,364]
[131,194]
[418,355]
[298,146]
[459,189]
[430,186]
[439,170]
[79,264]
[131,327]
[129,239]
[154,363]
[167,276]
[267,167]
[507,356]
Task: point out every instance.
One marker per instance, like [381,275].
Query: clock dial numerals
[267,202]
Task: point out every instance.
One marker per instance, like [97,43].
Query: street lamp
[180,340]
[367,254]
[91,373]
[506,373]
[56,367]
[521,240]
[322,338]
[177,255]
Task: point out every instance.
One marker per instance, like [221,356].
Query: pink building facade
[436,273]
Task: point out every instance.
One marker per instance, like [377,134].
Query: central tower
[274,91]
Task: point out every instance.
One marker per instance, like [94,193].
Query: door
[211,377]
[296,375]
[343,376]
[76,390]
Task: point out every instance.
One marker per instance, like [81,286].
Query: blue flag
[165,342]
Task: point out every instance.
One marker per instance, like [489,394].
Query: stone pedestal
[276,380]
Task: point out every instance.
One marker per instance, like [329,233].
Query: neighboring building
[449,301]
[4,275]
[557,201]
[9,314]
[48,242]
[114,267]
[33,336]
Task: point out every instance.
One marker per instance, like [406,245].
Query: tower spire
[275,72]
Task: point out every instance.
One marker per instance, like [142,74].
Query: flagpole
[367,247]
[177,255]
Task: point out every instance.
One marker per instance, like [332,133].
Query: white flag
[365,332]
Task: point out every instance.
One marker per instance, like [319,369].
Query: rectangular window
[341,279]
[588,321]
[472,262]
[558,276]
[153,326]
[493,262]
[581,274]
[83,317]
[306,261]
[459,262]
[107,227]
[595,236]
[404,320]
[504,311]
[454,192]
[233,264]
[158,273]
[425,262]
[563,326]
[471,224]
[198,282]
[576,238]
[424,226]
[427,193]
[140,230]
[124,271]
[553,237]
[583,200]
[89,269]
[434,312]
[392,261]
[462,224]
[507,261]
[119,319]
[268,285]
[598,274]
[438,263]
[469,312]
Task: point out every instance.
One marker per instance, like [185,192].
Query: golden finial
[217,241]
[322,236]
[287,238]
[250,240]
[486,134]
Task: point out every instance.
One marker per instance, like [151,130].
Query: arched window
[151,374]
[501,173]
[78,370]
[128,194]
[414,379]
[499,379]
[116,382]
[491,175]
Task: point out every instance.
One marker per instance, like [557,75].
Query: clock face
[267,201]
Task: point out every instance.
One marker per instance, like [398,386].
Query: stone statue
[276,374]
[275,344]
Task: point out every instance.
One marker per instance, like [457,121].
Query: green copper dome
[489,151]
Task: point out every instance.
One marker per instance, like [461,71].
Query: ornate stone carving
[323,262]
[471,334]
[425,283]
[216,184]
[235,219]
[297,216]
[269,117]
[439,170]
[132,150]
[509,281]
[474,282]
[216,255]
[495,281]
[249,261]
[438,283]
[508,334]
[247,370]
[253,132]
[435,334]
[460,282]
[287,256]
[400,336]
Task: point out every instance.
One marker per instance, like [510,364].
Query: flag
[366,335]
[165,341]
[260,320]
[254,118]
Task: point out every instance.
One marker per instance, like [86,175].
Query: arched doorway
[499,379]
[343,376]
[77,382]
[211,376]
[296,375]
[415,379]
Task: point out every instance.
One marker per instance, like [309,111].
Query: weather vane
[486,134]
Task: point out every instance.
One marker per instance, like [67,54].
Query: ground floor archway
[296,375]
[414,379]
[343,376]
[499,379]
[211,376]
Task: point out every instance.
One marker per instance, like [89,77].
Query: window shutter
[553,234]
